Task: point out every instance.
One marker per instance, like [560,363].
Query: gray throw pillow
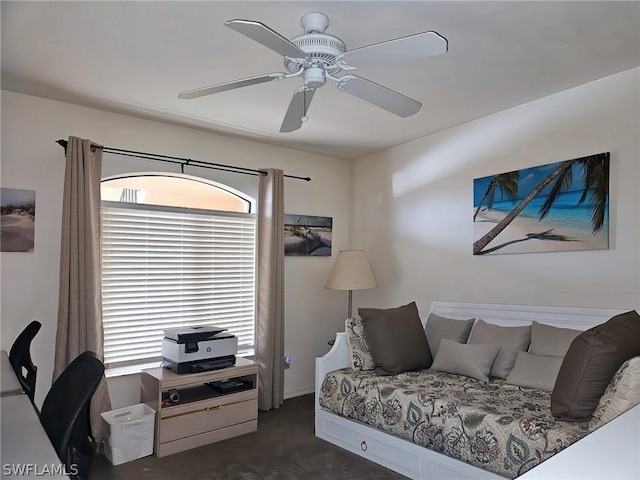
[535,371]
[396,339]
[465,359]
[551,341]
[511,340]
[438,327]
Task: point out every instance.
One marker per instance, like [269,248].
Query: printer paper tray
[198,366]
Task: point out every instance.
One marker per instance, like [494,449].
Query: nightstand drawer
[207,419]
[208,404]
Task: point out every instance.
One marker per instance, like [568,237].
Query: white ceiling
[134,57]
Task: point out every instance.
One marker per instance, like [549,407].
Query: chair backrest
[65,409]
[20,358]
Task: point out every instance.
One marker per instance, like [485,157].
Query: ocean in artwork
[569,224]
[566,212]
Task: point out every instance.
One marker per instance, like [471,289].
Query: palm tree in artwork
[507,183]
[595,182]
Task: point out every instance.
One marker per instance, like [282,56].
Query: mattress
[498,427]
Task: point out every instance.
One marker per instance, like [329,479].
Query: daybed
[420,444]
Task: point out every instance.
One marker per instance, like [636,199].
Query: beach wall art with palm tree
[554,207]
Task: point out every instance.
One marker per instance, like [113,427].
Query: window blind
[165,267]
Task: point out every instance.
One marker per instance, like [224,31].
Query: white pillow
[622,393]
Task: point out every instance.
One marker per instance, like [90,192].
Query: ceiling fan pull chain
[304,107]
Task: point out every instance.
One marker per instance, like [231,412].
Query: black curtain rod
[181,161]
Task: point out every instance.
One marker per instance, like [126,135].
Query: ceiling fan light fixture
[314,77]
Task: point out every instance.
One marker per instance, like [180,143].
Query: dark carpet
[284,448]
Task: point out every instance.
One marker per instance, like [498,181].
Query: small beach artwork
[17,222]
[307,235]
[559,206]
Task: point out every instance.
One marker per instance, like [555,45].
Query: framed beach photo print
[307,235]
[17,227]
[549,208]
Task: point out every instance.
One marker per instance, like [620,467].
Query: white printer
[198,349]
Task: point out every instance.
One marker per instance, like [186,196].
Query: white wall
[411,205]
[31,160]
[409,208]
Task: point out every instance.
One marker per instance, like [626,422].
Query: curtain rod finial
[63,144]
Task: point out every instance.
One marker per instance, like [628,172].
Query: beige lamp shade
[351,271]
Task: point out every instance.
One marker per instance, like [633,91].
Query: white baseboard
[299,391]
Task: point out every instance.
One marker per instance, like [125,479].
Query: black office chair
[20,359]
[65,412]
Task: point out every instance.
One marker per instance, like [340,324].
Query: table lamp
[351,271]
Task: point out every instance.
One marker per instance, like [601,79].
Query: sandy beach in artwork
[16,233]
[526,234]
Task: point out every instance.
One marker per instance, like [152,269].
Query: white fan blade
[421,45]
[298,108]
[378,95]
[269,38]
[221,87]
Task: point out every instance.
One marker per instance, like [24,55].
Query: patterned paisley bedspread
[498,427]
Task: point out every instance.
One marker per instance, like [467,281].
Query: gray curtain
[270,308]
[80,297]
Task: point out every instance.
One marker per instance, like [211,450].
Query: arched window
[177,251]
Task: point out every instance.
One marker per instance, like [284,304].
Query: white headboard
[579,318]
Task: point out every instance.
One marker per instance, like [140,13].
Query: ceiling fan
[317,56]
